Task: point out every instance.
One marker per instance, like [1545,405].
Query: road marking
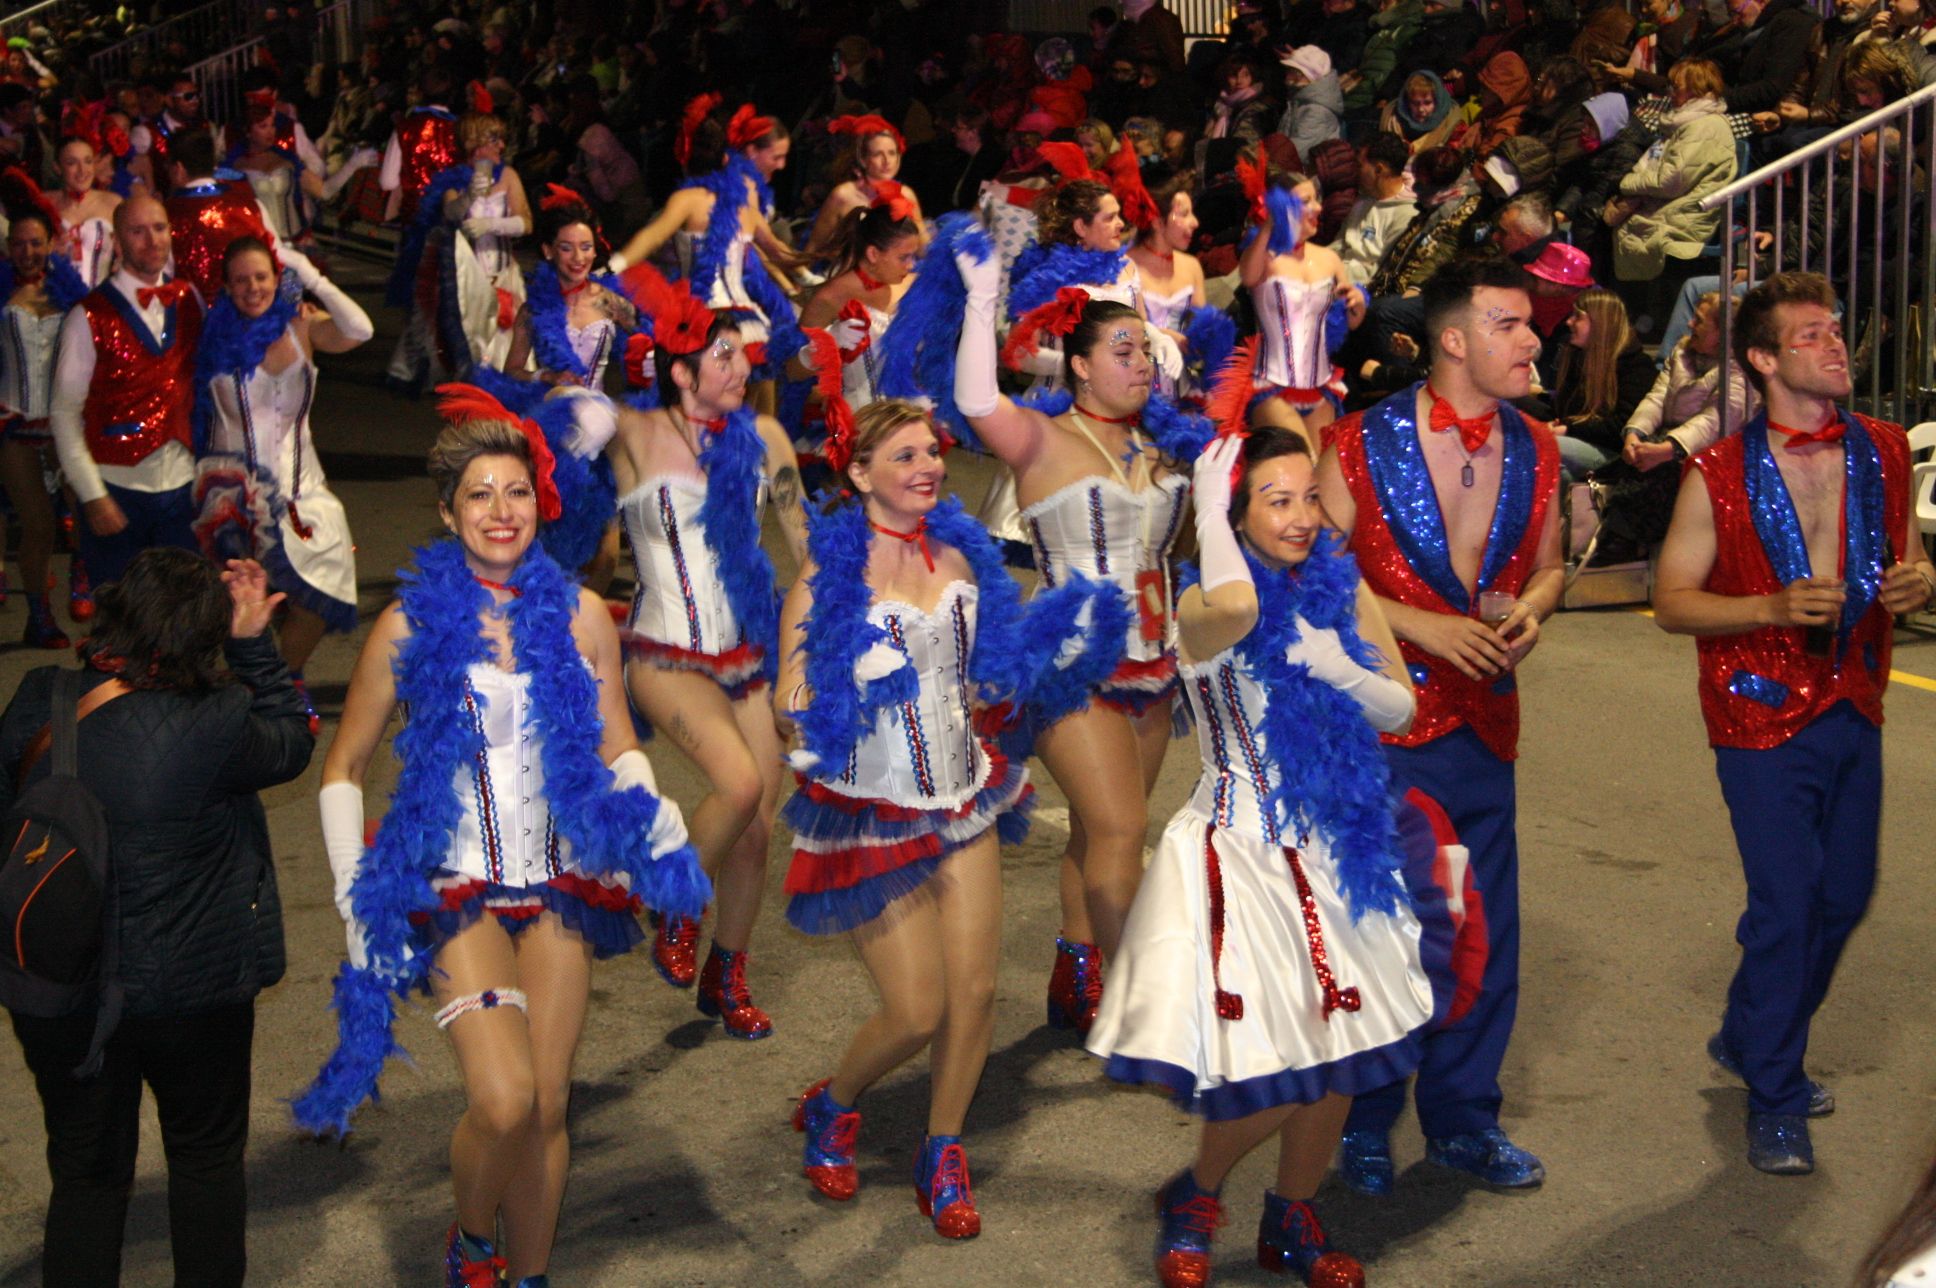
[1898,677]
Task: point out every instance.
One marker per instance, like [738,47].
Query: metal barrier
[210,26]
[1199,17]
[1826,207]
[220,80]
[44,14]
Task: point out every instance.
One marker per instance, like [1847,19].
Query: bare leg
[1152,732]
[555,972]
[300,633]
[1096,761]
[1279,414]
[969,886]
[897,949]
[26,487]
[740,885]
[494,1055]
[1307,1144]
[1315,421]
[1224,1144]
[693,712]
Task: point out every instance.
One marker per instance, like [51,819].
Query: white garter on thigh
[489,999]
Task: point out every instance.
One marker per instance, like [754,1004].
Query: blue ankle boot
[1290,1241]
[1190,1216]
[831,1128]
[942,1188]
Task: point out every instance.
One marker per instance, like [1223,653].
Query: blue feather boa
[607,829]
[233,345]
[401,287]
[737,164]
[1210,337]
[734,460]
[1330,770]
[784,338]
[544,304]
[918,348]
[1039,272]
[722,226]
[587,488]
[63,284]
[1016,646]
[1178,434]
[728,187]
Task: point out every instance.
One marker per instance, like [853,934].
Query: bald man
[123,390]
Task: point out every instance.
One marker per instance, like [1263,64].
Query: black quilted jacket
[177,773]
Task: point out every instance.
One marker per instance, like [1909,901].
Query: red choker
[569,291]
[917,537]
[488,584]
[867,283]
[1134,418]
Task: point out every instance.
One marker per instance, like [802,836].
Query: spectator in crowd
[1156,31]
[1600,378]
[1367,83]
[1422,114]
[1316,108]
[1506,88]
[1907,30]
[1658,216]
[1242,111]
[1384,208]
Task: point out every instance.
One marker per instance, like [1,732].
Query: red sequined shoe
[80,591]
[723,995]
[832,1129]
[461,1271]
[1075,985]
[942,1188]
[675,949]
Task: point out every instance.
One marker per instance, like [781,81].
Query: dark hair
[162,624]
[1388,150]
[241,246]
[1434,168]
[1572,82]
[1087,333]
[862,229]
[34,214]
[1264,443]
[194,152]
[1167,187]
[1913,1230]
[436,85]
[1058,214]
[1754,318]
[553,220]
[13,95]
[1448,292]
[708,147]
[664,360]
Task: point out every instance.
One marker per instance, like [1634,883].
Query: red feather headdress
[695,115]
[679,322]
[747,127]
[481,100]
[1067,160]
[863,127]
[18,189]
[1058,317]
[458,403]
[894,197]
[827,380]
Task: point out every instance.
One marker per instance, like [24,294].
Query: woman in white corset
[283,187]
[570,326]
[86,212]
[1294,285]
[1171,277]
[488,212]
[694,477]
[1098,497]
[867,177]
[259,484]
[37,287]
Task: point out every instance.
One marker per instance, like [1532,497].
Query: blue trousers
[1458,1080]
[154,519]
[1806,816]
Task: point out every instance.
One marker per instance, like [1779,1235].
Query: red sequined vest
[428,142]
[1446,698]
[1762,688]
[203,225]
[138,399]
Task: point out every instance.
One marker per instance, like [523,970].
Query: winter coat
[1392,31]
[177,775]
[1316,113]
[1369,230]
[1437,130]
[1434,236]
[1767,64]
[1505,75]
[1683,404]
[1633,377]
[1697,158]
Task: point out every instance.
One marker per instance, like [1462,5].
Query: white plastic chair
[1922,438]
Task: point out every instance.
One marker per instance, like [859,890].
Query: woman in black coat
[175,748]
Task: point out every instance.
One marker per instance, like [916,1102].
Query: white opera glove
[977,392]
[341,805]
[482,181]
[879,662]
[1163,347]
[1219,556]
[1043,361]
[352,323]
[616,263]
[594,421]
[486,225]
[632,769]
[848,333]
[1387,704]
[307,274]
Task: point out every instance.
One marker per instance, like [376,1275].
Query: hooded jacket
[1392,31]
[1315,113]
[1697,158]
[1511,86]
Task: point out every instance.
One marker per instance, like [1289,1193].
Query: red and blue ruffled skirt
[606,916]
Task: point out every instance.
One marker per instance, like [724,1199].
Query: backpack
[59,913]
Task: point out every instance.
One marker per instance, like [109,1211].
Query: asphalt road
[685,1172]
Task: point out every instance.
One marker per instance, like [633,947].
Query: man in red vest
[1793,547]
[424,144]
[206,213]
[123,390]
[1449,497]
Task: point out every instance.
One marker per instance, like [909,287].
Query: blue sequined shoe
[942,1188]
[1290,1241]
[1489,1155]
[470,1262]
[1365,1163]
[831,1128]
[1779,1144]
[723,995]
[1821,1101]
[1190,1217]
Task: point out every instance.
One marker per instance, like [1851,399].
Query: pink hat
[1037,121]
[1563,265]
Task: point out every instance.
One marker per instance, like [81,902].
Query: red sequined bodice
[1761,688]
[428,141]
[203,224]
[1446,698]
[138,399]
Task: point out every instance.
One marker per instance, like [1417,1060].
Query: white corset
[270,426]
[1166,311]
[504,831]
[924,753]
[680,599]
[1291,351]
[27,364]
[1102,529]
[1238,774]
[493,250]
[275,191]
[90,247]
[860,376]
[593,346]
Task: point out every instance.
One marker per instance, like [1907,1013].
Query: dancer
[86,212]
[1305,305]
[569,325]
[38,285]
[1099,496]
[281,182]
[1448,496]
[903,617]
[425,142]
[259,487]
[1793,665]
[1272,965]
[692,476]
[868,177]
[495,898]
[874,250]
[1171,277]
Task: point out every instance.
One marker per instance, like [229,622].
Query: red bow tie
[1473,430]
[917,538]
[1831,431]
[168,293]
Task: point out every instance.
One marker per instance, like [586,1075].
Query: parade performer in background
[570,325]
[1449,497]
[425,143]
[903,623]
[259,487]
[1273,965]
[280,178]
[205,213]
[38,285]
[123,391]
[86,211]
[1172,281]
[1792,598]
[522,837]
[693,477]
[868,178]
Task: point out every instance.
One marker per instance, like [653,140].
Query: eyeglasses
[188,95]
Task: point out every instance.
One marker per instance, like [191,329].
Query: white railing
[1826,208]
[210,26]
[340,29]
[44,14]
[220,80]
[1199,17]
